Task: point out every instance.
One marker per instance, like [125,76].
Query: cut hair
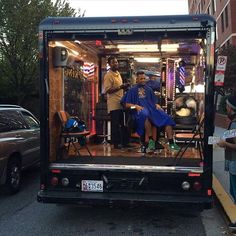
[231,102]
[110,58]
[140,72]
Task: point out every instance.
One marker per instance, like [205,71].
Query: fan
[186,109]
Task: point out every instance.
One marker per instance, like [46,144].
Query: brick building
[223,11]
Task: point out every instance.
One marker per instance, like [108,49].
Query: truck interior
[77,65]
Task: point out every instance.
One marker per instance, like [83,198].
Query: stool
[104,134]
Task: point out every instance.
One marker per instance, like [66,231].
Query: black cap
[231,102]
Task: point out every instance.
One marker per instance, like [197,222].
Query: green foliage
[19,67]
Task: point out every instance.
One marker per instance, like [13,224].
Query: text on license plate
[92,185]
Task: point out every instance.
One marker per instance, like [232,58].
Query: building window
[208,11]
[201,6]
[226,17]
[222,22]
[213,7]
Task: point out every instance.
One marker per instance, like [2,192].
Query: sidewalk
[221,180]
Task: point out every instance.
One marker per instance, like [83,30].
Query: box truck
[82,166]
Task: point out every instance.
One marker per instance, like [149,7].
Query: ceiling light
[77,41]
[110,46]
[58,44]
[74,52]
[137,47]
[62,44]
[147,47]
[147,59]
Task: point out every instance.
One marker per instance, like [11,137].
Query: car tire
[13,180]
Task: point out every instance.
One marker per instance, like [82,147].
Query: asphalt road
[21,214]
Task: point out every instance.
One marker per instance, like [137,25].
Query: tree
[19,67]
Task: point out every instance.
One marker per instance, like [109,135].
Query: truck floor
[105,154]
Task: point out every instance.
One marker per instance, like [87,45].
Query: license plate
[92,185]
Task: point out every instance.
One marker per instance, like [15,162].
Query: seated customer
[147,113]
[154,83]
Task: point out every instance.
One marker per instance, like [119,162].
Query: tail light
[54,181]
[42,186]
[197,186]
[209,192]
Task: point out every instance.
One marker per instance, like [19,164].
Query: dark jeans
[119,133]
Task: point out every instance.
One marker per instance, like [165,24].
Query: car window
[4,126]
[30,120]
[11,120]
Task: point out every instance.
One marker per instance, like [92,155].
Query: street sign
[220,70]
[221,63]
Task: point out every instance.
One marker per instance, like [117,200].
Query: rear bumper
[122,198]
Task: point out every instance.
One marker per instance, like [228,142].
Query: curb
[225,200]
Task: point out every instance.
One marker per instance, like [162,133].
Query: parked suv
[19,144]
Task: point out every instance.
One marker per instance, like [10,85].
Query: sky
[130,7]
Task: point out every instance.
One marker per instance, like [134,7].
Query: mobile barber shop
[80,165]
